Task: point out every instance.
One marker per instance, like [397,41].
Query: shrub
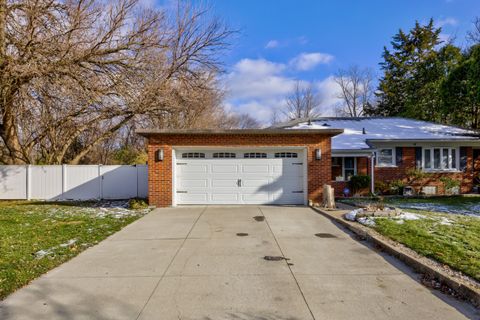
[137,203]
[396,186]
[359,182]
[449,183]
[381,187]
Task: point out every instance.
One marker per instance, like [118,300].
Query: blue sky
[284,41]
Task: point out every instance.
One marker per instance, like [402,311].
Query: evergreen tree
[411,74]
[461,91]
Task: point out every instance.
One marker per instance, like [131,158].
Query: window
[286,155]
[440,158]
[348,168]
[193,155]
[255,155]
[224,155]
[385,158]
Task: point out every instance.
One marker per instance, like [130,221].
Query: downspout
[372,173]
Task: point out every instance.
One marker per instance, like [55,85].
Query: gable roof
[359,132]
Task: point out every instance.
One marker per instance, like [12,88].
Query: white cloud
[257,79]
[259,87]
[448,21]
[308,61]
[272,44]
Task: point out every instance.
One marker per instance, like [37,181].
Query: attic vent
[363,131]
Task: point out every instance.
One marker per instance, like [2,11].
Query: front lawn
[453,240]
[446,229]
[38,236]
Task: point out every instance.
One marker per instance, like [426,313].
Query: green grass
[27,228]
[456,244]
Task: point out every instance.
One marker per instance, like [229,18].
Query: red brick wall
[387,174]
[160,182]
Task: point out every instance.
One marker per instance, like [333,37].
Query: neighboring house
[410,152]
[289,164]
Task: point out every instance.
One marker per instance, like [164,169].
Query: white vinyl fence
[73,182]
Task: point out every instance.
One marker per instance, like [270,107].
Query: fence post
[100,179]
[136,171]
[29,181]
[64,180]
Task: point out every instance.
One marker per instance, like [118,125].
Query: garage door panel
[224,168]
[255,168]
[257,197]
[224,183]
[192,168]
[192,183]
[251,183]
[225,197]
[192,197]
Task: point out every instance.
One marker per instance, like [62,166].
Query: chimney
[363,131]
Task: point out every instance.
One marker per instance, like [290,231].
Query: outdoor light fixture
[318,154]
[159,155]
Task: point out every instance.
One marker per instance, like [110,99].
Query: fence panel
[46,182]
[82,182]
[73,182]
[13,182]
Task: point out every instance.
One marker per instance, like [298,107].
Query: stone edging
[467,292]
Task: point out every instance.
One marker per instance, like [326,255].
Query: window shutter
[398,155]
[463,159]
[418,157]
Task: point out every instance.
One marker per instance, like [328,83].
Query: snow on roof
[354,138]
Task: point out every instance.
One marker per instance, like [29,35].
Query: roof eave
[159,132]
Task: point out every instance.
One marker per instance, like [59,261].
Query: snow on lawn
[401,218]
[101,209]
[469,209]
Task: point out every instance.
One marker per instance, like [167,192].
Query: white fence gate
[73,182]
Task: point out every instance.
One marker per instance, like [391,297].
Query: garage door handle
[239,182]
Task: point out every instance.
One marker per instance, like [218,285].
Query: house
[290,163]
[404,151]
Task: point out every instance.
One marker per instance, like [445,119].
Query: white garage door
[239,177]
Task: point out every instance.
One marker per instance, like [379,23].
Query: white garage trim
[270,193]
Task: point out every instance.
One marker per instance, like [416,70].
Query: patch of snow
[410,216]
[68,243]
[352,215]
[446,222]
[384,129]
[42,253]
[367,221]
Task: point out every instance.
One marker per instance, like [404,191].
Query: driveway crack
[288,265]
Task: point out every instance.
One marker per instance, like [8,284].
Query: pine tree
[409,86]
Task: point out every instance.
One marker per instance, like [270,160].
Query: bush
[137,203]
[359,182]
[396,186]
[449,183]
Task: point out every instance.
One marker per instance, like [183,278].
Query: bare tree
[303,103]
[474,35]
[74,74]
[245,121]
[356,90]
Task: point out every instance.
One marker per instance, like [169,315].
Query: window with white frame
[441,158]
[385,157]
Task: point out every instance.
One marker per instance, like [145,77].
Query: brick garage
[161,177]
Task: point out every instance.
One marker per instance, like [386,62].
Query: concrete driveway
[189,263]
